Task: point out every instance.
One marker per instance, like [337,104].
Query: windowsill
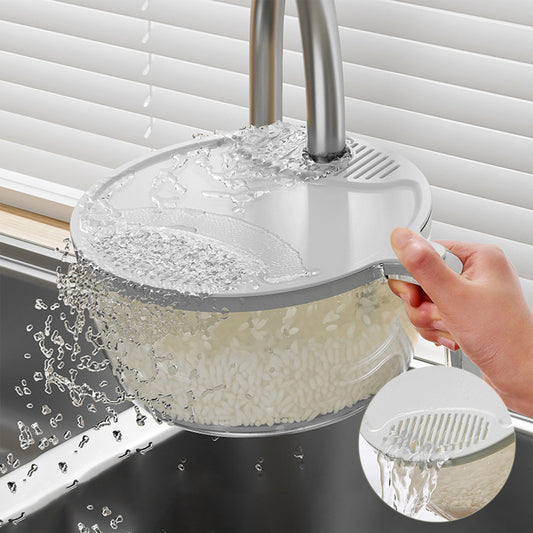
[33,228]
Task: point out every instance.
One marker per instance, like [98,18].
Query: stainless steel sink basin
[184,482]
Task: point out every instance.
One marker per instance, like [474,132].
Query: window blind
[87,85]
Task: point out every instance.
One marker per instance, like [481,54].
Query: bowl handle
[393,269]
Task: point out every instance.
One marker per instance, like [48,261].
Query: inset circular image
[437,444]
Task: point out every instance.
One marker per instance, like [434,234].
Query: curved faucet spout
[266,61]
[323,72]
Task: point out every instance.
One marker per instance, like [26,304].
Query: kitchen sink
[157,478]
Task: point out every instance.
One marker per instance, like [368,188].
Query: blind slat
[202,15]
[406,21]
[482,215]
[52,167]
[442,28]
[439,64]
[126,32]
[70,142]
[515,11]
[165,105]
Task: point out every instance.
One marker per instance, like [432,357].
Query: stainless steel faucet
[323,72]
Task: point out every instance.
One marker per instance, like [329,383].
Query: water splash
[25,436]
[256,161]
[409,476]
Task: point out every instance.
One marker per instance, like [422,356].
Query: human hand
[483,311]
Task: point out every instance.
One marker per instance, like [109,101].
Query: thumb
[425,265]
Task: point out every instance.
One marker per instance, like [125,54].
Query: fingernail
[439,324]
[446,342]
[401,237]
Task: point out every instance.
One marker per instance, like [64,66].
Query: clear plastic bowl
[253,372]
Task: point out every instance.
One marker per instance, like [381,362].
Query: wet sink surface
[233,485]
[221,490]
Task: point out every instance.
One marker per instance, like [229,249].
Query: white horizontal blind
[86,85]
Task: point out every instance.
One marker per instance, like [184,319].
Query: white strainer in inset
[437,413]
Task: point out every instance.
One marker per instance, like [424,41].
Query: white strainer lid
[247,221]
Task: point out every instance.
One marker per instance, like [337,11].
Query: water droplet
[12,486]
[82,528]
[106,511]
[84,441]
[67,434]
[27,356]
[259,467]
[146,37]
[181,467]
[80,421]
[299,453]
[29,405]
[91,408]
[3,469]
[146,449]
[32,470]
[148,131]
[118,435]
[39,304]
[63,467]
[25,437]
[36,429]
[215,438]
[10,458]
[19,519]
[140,418]
[96,528]
[148,99]
[29,327]
[90,507]
[45,410]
